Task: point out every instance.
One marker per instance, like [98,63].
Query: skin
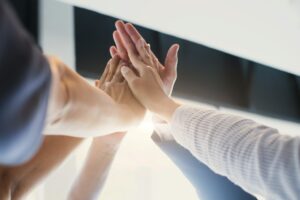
[93,175]
[80,110]
[20,180]
[92,178]
[153,83]
[17,182]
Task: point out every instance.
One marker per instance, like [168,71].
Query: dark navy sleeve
[24,89]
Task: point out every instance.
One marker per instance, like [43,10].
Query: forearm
[93,175]
[76,107]
[251,155]
[18,181]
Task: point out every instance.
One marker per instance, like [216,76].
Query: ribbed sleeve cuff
[183,120]
[191,127]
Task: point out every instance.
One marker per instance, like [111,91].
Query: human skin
[93,175]
[81,110]
[102,150]
[92,178]
[17,182]
[147,85]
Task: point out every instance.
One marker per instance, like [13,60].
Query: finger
[128,43]
[136,61]
[133,33]
[112,69]
[139,41]
[142,47]
[118,78]
[113,51]
[120,46]
[104,74]
[130,47]
[172,59]
[143,50]
[128,74]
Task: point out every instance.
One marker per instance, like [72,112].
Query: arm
[254,156]
[17,182]
[20,180]
[91,180]
[76,107]
[27,79]
[103,149]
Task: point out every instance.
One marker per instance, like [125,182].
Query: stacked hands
[133,81]
[134,77]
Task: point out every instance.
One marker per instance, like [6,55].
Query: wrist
[165,109]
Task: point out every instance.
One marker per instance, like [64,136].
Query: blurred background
[81,38]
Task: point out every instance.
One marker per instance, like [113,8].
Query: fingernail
[124,70]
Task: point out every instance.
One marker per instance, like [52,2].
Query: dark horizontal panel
[204,74]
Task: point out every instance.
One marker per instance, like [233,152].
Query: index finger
[128,43]
[120,47]
[133,33]
[138,40]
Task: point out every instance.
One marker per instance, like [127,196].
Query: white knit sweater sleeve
[253,156]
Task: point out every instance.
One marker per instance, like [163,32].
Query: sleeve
[207,184]
[254,156]
[24,89]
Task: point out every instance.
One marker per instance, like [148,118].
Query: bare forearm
[76,107]
[18,181]
[94,173]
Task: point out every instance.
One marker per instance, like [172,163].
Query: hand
[130,42]
[91,180]
[113,83]
[128,38]
[148,88]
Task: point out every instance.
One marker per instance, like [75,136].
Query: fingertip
[128,27]
[120,25]
[174,50]
[176,46]
[116,36]
[119,22]
[114,33]
[113,51]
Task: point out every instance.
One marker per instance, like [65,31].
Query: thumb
[172,59]
[128,74]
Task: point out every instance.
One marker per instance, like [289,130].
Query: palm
[127,39]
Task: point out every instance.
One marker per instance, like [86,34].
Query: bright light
[140,170]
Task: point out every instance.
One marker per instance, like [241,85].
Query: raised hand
[129,41]
[113,83]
